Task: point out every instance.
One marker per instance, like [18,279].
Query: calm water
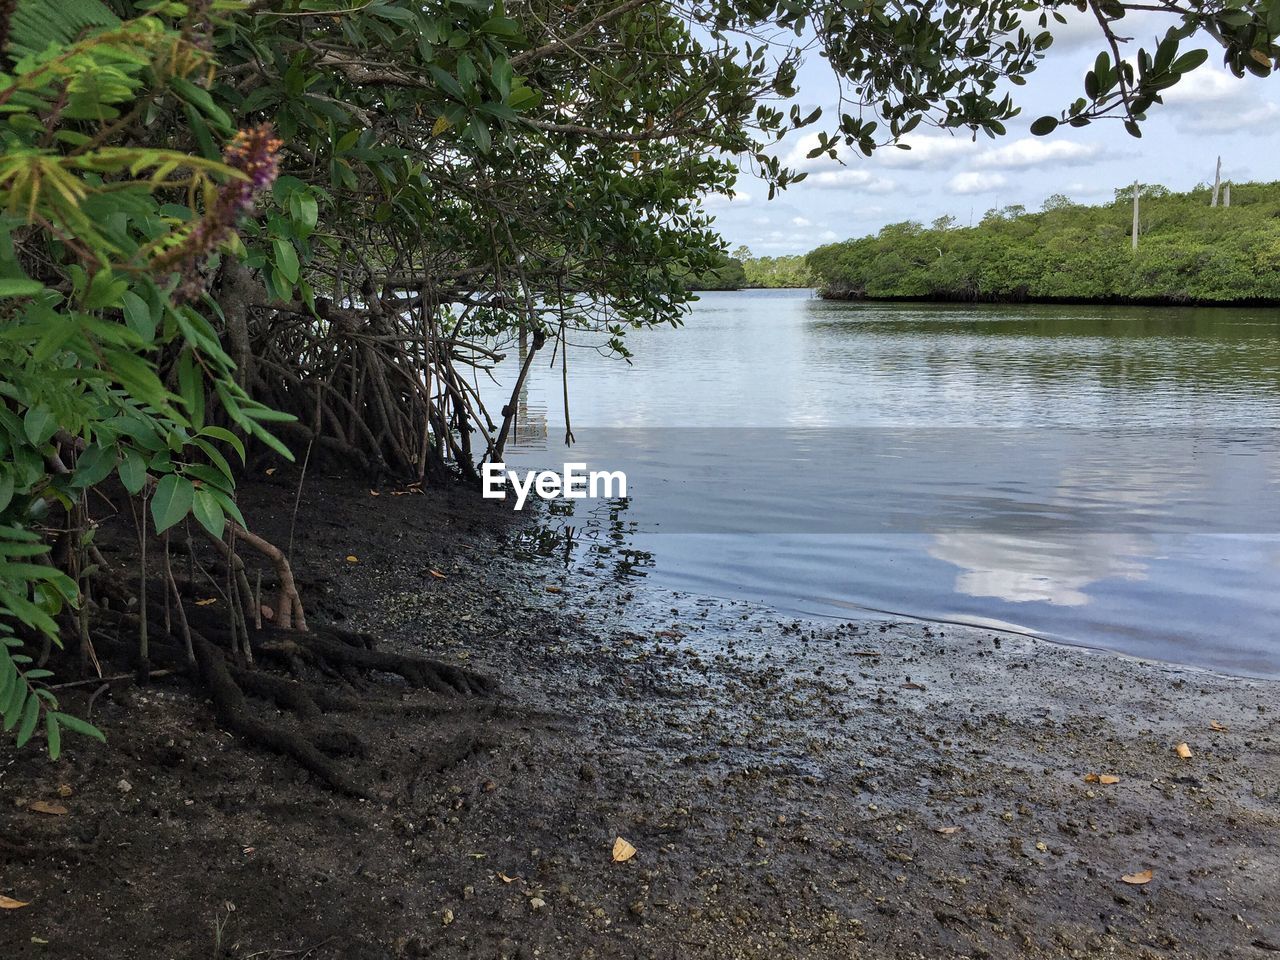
[1105,476]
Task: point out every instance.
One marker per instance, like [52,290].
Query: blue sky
[1209,113]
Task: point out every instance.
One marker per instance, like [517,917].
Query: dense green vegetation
[786,271]
[1188,252]
[725,274]
[231,228]
[743,271]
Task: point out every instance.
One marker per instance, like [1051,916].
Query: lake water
[1098,475]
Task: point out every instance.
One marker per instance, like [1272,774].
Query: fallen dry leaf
[911,686]
[946,830]
[505,879]
[668,634]
[437,574]
[1217,727]
[551,588]
[1090,778]
[1137,879]
[8,903]
[270,471]
[352,558]
[64,789]
[1108,779]
[51,809]
[374,493]
[206,601]
[1183,751]
[622,851]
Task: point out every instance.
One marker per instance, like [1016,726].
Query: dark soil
[793,789]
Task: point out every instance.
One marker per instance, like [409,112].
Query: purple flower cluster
[254,153]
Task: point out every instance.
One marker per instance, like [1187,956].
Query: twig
[106,681]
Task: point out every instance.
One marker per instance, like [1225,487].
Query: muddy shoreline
[794,788]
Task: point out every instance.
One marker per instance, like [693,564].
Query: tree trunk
[1217,183]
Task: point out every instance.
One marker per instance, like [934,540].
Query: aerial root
[235,714]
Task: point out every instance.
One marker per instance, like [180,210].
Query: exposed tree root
[235,714]
[314,700]
[332,671]
[313,741]
[433,675]
[350,653]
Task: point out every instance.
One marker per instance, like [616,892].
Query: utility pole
[1217,184]
[1137,191]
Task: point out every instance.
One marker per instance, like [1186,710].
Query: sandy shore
[792,788]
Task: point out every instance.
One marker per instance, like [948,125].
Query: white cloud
[1035,152]
[739,198]
[976,182]
[801,222]
[829,235]
[862,181]
[927,151]
[1206,85]
[1261,119]
[1211,100]
[779,241]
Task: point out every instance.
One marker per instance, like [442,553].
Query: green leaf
[133,471]
[93,465]
[209,512]
[54,735]
[447,81]
[6,485]
[1044,126]
[105,290]
[17,700]
[398,14]
[501,27]
[226,436]
[199,97]
[171,501]
[286,259]
[305,212]
[228,506]
[77,725]
[30,715]
[1189,61]
[39,424]
[138,316]
[19,287]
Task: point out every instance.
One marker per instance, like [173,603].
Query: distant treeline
[742,271]
[1188,252]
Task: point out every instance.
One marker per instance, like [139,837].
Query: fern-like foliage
[37,24]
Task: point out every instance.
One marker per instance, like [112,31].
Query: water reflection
[597,535]
[1022,570]
[1163,540]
